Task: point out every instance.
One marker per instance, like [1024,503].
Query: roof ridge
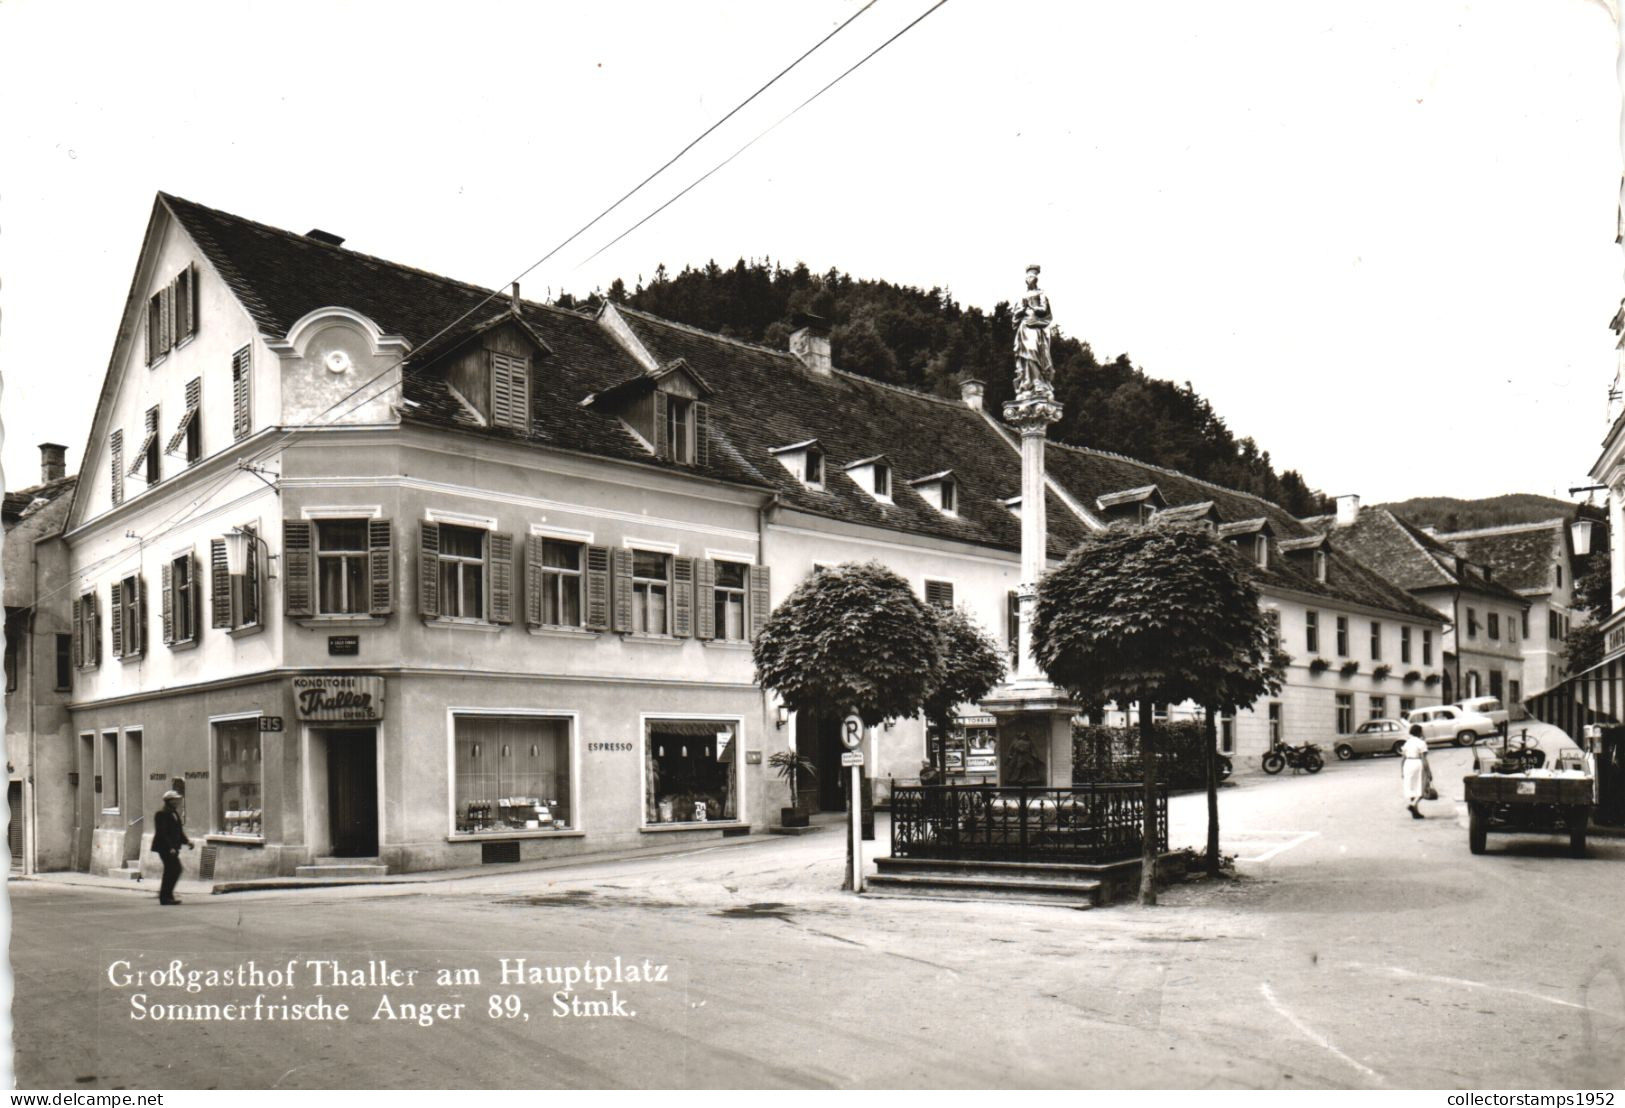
[1174,473]
[785,354]
[1502,529]
[391,263]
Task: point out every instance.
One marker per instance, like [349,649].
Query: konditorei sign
[345,696]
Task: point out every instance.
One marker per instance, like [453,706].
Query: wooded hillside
[1448,513]
[927,340]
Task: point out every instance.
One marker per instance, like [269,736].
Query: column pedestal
[1035,733]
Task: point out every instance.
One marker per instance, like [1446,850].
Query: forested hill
[927,340]
[1447,513]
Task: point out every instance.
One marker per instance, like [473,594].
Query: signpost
[852,739]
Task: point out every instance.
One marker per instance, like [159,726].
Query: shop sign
[976,721]
[270,723]
[344,644]
[197,775]
[753,757]
[339,697]
[155,776]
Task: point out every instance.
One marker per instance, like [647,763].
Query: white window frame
[317,555]
[649,582]
[578,824]
[579,575]
[719,628]
[741,818]
[463,560]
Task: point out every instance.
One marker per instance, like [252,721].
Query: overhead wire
[185,513]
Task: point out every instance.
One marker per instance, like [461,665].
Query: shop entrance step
[343,867]
[129,871]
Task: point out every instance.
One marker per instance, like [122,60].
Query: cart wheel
[1343,751]
[1476,828]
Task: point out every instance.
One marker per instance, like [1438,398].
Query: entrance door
[133,804]
[352,792]
[827,755]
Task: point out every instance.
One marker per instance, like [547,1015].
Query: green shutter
[78,633]
[658,438]
[429,569]
[598,588]
[705,610]
[500,555]
[298,572]
[167,584]
[240,415]
[380,567]
[117,596]
[702,434]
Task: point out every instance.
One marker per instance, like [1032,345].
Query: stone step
[1065,894]
[335,860]
[130,872]
[342,868]
[1011,871]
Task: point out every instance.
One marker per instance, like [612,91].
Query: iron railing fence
[1084,823]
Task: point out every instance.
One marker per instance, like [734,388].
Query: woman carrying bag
[1414,774]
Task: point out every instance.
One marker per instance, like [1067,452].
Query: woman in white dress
[1413,772]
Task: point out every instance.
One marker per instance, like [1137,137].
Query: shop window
[651,592]
[238,769]
[109,776]
[689,771]
[728,601]
[1345,713]
[512,774]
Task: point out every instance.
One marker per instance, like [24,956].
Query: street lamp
[1580,528]
[239,549]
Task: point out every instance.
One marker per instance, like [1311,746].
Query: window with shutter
[730,603]
[166,318]
[241,420]
[154,329]
[166,588]
[248,585]
[510,391]
[93,629]
[939,594]
[554,582]
[116,608]
[78,632]
[429,569]
[533,581]
[650,591]
[298,570]
[189,430]
[702,434]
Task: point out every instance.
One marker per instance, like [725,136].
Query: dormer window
[873,476]
[804,460]
[510,391]
[1261,551]
[1137,505]
[665,409]
[680,430]
[939,490]
[1320,566]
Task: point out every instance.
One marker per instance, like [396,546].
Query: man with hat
[168,836]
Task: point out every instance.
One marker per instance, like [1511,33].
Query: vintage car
[1374,736]
[1530,784]
[1447,723]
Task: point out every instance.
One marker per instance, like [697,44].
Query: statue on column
[1035,373]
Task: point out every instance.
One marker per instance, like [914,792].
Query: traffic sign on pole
[852,732]
[852,758]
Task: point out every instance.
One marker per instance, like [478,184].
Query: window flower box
[1350,668]
[1319,665]
[1381,672]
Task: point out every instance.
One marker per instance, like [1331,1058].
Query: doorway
[826,755]
[352,792]
[133,807]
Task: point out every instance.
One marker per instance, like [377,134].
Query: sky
[1378,237]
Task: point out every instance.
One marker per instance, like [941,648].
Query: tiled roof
[1087,474]
[1521,555]
[18,501]
[1405,554]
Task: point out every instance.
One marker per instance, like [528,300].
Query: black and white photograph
[835,545]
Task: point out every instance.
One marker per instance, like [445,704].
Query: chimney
[513,297]
[53,464]
[1348,510]
[325,236]
[810,343]
[970,391]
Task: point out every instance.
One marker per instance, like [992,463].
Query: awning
[1596,696]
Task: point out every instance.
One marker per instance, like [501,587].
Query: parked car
[1448,723]
[1485,706]
[1374,736]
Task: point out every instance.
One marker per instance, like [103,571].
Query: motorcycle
[1305,757]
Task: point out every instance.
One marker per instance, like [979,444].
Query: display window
[511,774]
[238,770]
[690,771]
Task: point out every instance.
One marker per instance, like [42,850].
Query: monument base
[1035,733]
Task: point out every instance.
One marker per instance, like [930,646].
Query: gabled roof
[1130,496]
[1203,509]
[1256,526]
[1407,555]
[1088,474]
[1521,554]
[433,351]
[1310,542]
[24,502]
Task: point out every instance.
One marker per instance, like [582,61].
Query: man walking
[168,836]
